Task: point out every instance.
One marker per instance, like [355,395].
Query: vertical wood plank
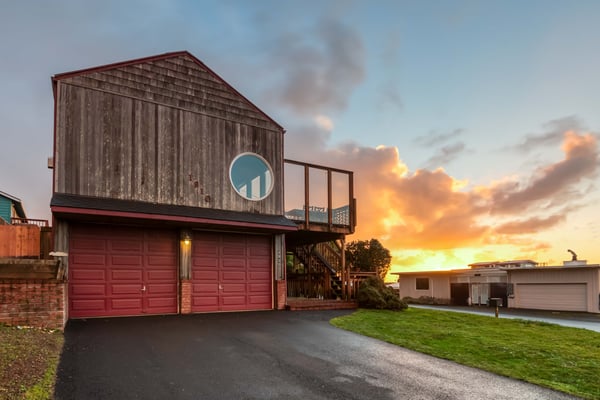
[128,146]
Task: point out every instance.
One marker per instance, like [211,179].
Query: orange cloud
[530,225]
[432,211]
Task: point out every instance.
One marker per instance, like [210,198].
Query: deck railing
[316,285]
[316,194]
[320,215]
[313,285]
[354,281]
[331,254]
[42,223]
[314,277]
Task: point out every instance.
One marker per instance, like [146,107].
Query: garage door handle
[144,288]
[220,287]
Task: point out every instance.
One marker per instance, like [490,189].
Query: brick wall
[281,294]
[186,296]
[33,302]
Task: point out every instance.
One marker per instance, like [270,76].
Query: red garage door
[121,271]
[231,272]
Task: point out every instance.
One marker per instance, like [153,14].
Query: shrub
[373,293]
[425,300]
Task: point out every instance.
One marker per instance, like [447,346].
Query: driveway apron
[259,355]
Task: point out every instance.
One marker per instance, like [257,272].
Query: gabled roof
[17,204]
[165,56]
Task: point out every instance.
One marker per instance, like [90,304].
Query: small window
[422,283]
[251,176]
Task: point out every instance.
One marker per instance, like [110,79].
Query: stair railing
[321,278]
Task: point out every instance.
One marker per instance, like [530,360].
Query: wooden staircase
[326,256]
[324,264]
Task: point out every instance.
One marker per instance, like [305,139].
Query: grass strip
[557,357]
[28,362]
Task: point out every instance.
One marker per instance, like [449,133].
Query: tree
[369,256]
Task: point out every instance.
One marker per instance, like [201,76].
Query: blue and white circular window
[251,176]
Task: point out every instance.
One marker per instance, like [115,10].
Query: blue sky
[395,90]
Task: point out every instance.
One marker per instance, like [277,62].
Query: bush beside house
[373,293]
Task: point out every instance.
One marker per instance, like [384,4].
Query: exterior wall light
[186,236]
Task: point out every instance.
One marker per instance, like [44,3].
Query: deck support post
[345,276]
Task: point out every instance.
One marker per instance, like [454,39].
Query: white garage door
[563,297]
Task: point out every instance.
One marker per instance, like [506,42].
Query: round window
[251,176]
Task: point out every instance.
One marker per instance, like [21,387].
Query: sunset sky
[472,126]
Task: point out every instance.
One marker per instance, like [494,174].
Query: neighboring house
[10,207]
[425,285]
[168,195]
[574,286]
[21,237]
[475,286]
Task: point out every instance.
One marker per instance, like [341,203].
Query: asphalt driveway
[259,355]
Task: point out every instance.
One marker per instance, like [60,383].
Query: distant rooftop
[504,264]
[17,204]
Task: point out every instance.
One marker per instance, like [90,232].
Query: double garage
[127,271]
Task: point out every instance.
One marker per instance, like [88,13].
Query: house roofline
[554,268]
[431,272]
[17,203]
[10,197]
[317,166]
[65,212]
[87,207]
[105,67]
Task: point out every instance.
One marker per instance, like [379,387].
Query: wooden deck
[320,199]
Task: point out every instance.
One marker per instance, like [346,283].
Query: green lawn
[565,359]
[28,361]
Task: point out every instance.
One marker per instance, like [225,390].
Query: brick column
[186,297]
[185,263]
[281,294]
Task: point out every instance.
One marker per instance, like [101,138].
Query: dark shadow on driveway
[258,355]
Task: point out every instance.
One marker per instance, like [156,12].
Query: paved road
[259,355]
[565,318]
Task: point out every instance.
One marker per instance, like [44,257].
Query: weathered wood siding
[165,132]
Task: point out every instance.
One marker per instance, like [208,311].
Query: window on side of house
[422,283]
[251,176]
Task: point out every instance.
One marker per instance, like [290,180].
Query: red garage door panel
[231,272]
[121,271]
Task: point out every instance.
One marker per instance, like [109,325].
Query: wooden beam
[306,197]
[329,200]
